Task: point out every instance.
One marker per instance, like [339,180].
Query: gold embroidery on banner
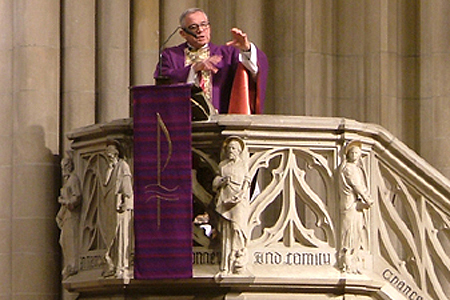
[158,190]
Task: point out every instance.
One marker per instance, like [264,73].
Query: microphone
[161,79]
[189,32]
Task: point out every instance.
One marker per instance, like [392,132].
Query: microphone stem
[162,48]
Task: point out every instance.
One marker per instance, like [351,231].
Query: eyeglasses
[195,27]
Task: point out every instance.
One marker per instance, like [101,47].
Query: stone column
[78,65]
[246,15]
[350,36]
[170,14]
[285,29]
[222,15]
[377,59]
[314,51]
[392,101]
[113,59]
[145,41]
[298,40]
[250,18]
[408,89]
[435,88]
[35,171]
[6,134]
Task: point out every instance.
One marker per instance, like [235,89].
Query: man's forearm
[250,59]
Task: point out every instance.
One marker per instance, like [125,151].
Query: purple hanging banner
[162,182]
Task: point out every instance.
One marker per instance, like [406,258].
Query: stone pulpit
[283,207]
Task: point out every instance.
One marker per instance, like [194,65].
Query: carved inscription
[401,285]
[292,258]
[91,262]
[206,257]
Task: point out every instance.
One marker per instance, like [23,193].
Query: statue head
[232,148]
[353,151]
[66,166]
[112,154]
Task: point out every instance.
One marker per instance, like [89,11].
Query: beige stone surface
[145,38]
[5,231]
[35,122]
[69,64]
[26,263]
[112,59]
[78,93]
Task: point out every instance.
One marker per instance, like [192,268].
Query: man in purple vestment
[213,67]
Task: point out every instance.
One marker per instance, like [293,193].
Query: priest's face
[198,24]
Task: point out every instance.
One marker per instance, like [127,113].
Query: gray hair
[188,12]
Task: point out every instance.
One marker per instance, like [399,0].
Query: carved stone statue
[119,251]
[355,202]
[68,217]
[232,203]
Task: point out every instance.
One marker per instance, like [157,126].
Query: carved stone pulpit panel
[102,156]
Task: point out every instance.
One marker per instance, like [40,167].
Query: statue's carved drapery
[232,204]
[355,202]
[68,217]
[106,230]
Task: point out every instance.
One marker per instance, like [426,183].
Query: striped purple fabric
[162,182]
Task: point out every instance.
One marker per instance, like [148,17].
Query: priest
[233,77]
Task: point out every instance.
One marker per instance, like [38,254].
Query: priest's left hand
[240,40]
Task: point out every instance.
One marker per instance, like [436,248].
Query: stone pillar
[409,85]
[145,41]
[246,15]
[377,57]
[316,54]
[285,28]
[434,89]
[299,42]
[78,65]
[253,25]
[222,17]
[170,15]
[350,59]
[113,64]
[393,100]
[6,134]
[35,171]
